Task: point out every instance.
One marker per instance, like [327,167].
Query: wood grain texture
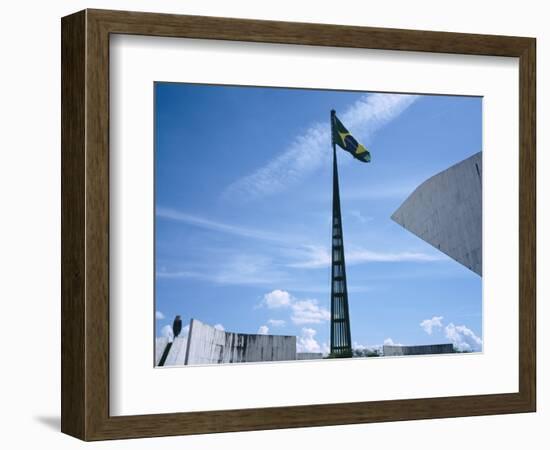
[527,224]
[73,226]
[85,224]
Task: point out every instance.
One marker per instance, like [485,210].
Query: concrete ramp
[446,212]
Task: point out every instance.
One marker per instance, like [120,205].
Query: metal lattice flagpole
[340,334]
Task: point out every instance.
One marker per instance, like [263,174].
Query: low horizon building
[407,350]
[302,356]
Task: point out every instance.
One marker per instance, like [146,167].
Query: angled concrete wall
[208,345]
[160,345]
[178,352]
[404,350]
[446,212]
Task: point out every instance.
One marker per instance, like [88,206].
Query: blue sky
[243,213]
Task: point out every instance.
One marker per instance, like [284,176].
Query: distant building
[205,344]
[405,350]
[445,211]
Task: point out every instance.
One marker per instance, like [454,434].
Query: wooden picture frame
[85,224]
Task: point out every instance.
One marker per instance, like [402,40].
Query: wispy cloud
[276,322]
[308,152]
[222,227]
[159,315]
[319,256]
[308,311]
[356,214]
[396,190]
[325,288]
[271,263]
[361,256]
[243,269]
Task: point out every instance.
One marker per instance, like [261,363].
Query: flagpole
[340,334]
[333,342]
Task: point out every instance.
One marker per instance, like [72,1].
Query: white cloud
[358,346]
[364,348]
[316,257]
[277,299]
[463,338]
[429,324]
[372,111]
[178,274]
[248,269]
[202,222]
[302,157]
[239,269]
[159,315]
[263,329]
[360,256]
[308,311]
[398,190]
[319,257]
[219,326]
[302,311]
[167,332]
[276,322]
[306,343]
[389,341]
[309,151]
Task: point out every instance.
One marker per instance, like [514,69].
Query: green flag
[343,138]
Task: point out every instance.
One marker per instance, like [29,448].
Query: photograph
[298,224]
[266,225]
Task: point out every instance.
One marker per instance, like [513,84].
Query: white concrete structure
[178,352]
[446,212]
[208,345]
[205,344]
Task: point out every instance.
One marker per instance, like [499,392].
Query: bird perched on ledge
[176,326]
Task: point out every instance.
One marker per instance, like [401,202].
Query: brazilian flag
[342,137]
